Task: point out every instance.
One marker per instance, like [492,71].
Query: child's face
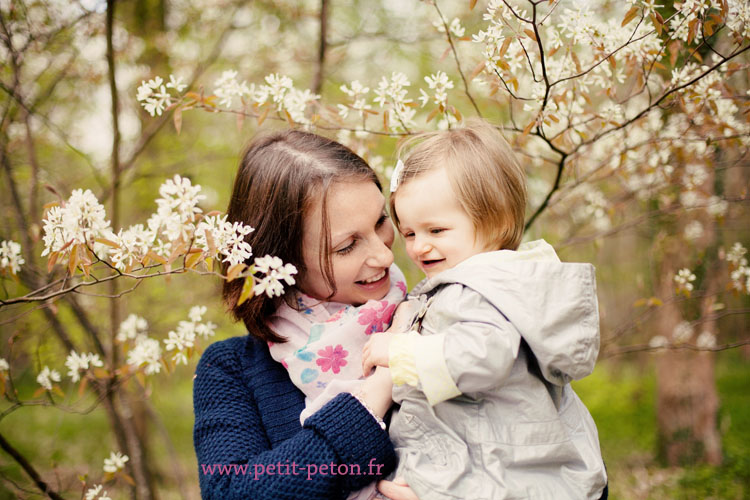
[439,234]
[361,240]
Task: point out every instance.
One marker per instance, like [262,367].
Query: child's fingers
[366,363]
[396,490]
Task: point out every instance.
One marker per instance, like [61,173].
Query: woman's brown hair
[279,177]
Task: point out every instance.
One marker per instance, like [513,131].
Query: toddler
[499,329]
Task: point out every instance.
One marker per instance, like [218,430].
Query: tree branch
[29,469]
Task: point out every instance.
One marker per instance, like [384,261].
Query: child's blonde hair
[484,172]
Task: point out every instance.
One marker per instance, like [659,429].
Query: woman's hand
[375,351]
[376,391]
[396,489]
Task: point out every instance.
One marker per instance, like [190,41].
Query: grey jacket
[514,333]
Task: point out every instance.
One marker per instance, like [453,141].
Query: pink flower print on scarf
[378,316]
[332,358]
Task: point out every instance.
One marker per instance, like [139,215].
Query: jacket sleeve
[229,432]
[471,347]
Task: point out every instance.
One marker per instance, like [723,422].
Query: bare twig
[29,469]
[455,57]
[318,79]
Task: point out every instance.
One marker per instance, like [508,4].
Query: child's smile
[439,233]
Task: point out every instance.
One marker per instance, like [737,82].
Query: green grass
[621,398]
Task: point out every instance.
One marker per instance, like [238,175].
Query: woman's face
[361,240]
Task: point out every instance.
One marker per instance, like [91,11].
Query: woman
[317,205]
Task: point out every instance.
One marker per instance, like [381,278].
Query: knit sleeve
[235,458]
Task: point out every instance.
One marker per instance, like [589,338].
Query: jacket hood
[552,304]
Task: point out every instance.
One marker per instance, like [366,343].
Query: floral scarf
[323,353]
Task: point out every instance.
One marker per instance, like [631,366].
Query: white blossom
[228,239]
[658,342]
[717,207]
[736,254]
[177,208]
[205,330]
[4,366]
[682,332]
[358,94]
[454,26]
[196,313]
[47,376]
[394,93]
[92,492]
[132,327]
[440,83]
[684,279]
[153,94]
[134,243]
[10,256]
[181,339]
[79,220]
[176,83]
[706,340]
[693,230]
[227,88]
[275,271]
[81,362]
[146,351]
[738,19]
[115,462]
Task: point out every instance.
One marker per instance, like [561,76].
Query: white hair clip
[395,175]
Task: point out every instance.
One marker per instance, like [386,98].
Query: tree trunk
[688,401]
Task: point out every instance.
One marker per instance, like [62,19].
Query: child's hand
[375,352]
[403,313]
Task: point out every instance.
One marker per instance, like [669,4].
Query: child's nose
[421,246]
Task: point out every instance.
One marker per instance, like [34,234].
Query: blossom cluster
[684,279]
[392,95]
[81,362]
[275,272]
[46,377]
[358,94]
[454,27]
[183,337]
[95,492]
[740,272]
[146,352]
[10,256]
[278,90]
[440,83]
[79,220]
[154,96]
[216,236]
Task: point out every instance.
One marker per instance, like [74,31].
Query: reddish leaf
[630,16]
[177,120]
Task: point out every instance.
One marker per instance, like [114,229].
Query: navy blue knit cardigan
[247,413]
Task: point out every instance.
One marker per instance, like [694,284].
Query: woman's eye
[346,249]
[381,220]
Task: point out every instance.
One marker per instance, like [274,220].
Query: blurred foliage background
[58,134]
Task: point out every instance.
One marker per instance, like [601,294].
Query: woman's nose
[381,254]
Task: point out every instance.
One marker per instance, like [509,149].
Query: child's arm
[473,349]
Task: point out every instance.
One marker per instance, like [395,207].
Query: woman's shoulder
[234,353]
